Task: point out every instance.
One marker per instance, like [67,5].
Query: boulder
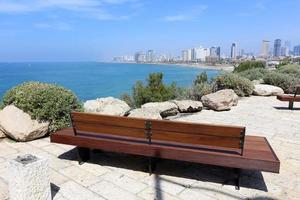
[18,125]
[221,100]
[187,106]
[165,109]
[2,134]
[267,90]
[108,106]
[145,113]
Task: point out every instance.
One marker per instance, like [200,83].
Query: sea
[90,80]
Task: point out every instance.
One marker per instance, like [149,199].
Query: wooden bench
[291,98]
[225,146]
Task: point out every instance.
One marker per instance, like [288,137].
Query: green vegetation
[44,102]
[241,86]
[249,65]
[254,74]
[154,91]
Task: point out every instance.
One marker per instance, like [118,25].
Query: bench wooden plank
[288,97]
[262,158]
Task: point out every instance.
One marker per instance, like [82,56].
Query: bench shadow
[200,172]
[284,108]
[54,189]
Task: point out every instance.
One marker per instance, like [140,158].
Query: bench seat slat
[256,159]
[288,97]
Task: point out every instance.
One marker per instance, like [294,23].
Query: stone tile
[6,149]
[54,149]
[112,192]
[80,176]
[165,184]
[154,193]
[124,182]
[39,143]
[95,169]
[3,190]
[73,191]
[54,162]
[57,178]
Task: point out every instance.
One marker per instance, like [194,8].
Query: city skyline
[52,30]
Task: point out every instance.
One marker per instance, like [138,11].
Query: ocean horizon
[90,80]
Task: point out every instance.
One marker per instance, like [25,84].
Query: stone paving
[122,177]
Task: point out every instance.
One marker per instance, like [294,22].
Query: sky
[97,30]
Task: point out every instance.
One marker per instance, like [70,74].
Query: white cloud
[191,14]
[93,8]
[56,25]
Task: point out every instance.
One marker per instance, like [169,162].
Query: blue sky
[97,30]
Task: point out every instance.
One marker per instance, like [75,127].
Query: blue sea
[90,80]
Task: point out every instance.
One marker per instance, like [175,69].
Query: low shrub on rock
[249,65]
[284,81]
[44,102]
[241,86]
[292,70]
[254,74]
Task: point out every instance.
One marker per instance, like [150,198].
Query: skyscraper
[184,55]
[150,57]
[219,53]
[265,48]
[233,51]
[297,50]
[277,48]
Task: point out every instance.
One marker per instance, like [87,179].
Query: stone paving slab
[123,177]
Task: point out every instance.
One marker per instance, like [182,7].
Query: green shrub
[284,81]
[249,65]
[292,70]
[44,102]
[201,78]
[154,91]
[241,86]
[254,74]
[199,90]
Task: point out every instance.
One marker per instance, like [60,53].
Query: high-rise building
[233,51]
[213,51]
[297,50]
[219,53]
[190,53]
[277,48]
[265,48]
[184,55]
[287,45]
[140,57]
[150,56]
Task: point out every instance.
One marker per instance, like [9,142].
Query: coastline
[220,67]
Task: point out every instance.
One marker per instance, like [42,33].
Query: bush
[44,102]
[249,65]
[241,86]
[284,81]
[154,91]
[254,74]
[292,70]
[201,78]
[199,90]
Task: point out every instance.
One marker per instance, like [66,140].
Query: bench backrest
[297,90]
[162,131]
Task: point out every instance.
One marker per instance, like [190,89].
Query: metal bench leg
[238,179]
[151,165]
[83,154]
[291,105]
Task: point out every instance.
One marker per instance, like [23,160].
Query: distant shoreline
[221,67]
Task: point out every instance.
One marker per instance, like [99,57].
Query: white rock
[186,106]
[221,100]
[29,178]
[18,125]
[267,90]
[108,106]
[165,109]
[2,134]
[145,113]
